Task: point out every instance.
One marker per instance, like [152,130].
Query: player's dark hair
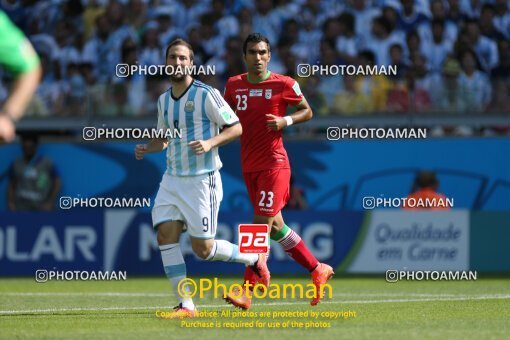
[255,38]
[182,42]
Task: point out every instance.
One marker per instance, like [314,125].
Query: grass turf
[126,309]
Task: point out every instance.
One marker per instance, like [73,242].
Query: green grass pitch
[126,310]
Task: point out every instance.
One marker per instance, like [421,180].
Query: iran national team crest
[189,106]
[268,93]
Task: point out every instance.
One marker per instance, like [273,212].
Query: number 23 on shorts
[266,199]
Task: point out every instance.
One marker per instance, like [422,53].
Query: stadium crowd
[452,55]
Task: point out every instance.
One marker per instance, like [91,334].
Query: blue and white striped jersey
[199,113]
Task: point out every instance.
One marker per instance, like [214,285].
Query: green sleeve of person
[16,53]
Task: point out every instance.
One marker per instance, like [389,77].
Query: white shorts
[194,200]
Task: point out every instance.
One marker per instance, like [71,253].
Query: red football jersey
[261,147]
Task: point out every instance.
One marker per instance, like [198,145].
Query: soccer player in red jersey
[260,99]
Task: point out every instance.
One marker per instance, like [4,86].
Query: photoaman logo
[189,288]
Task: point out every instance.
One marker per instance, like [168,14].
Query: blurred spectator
[231,62]
[98,51]
[425,187]
[136,14]
[413,43]
[471,8]
[151,52]
[195,40]
[347,43]
[49,95]
[486,49]
[374,87]
[117,103]
[438,11]
[34,182]
[309,37]
[380,40]
[278,57]
[92,11]
[187,14]
[500,102]
[314,97]
[503,69]
[363,15]
[439,48]
[475,85]
[502,18]
[266,20]
[331,29]
[446,91]
[134,83]
[245,23]
[487,27]
[397,59]
[454,12]
[76,89]
[409,18]
[66,52]
[350,100]
[290,35]
[390,12]
[167,31]
[406,97]
[212,43]
[96,91]
[329,84]
[226,24]
[120,31]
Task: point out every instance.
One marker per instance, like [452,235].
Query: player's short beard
[178,79]
[181,77]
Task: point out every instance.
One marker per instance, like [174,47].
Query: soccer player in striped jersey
[190,191]
[260,99]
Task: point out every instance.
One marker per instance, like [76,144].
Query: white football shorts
[194,200]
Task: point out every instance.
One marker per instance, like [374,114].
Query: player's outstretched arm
[303,114]
[227,135]
[155,145]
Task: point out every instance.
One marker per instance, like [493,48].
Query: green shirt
[16,53]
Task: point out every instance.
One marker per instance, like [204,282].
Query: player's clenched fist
[275,123]
[140,151]
[200,146]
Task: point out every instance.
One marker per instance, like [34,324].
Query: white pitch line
[129,294]
[60,310]
[109,294]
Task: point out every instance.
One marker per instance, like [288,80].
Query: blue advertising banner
[350,241]
[123,239]
[65,241]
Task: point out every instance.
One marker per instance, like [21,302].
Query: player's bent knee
[202,248]
[169,232]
